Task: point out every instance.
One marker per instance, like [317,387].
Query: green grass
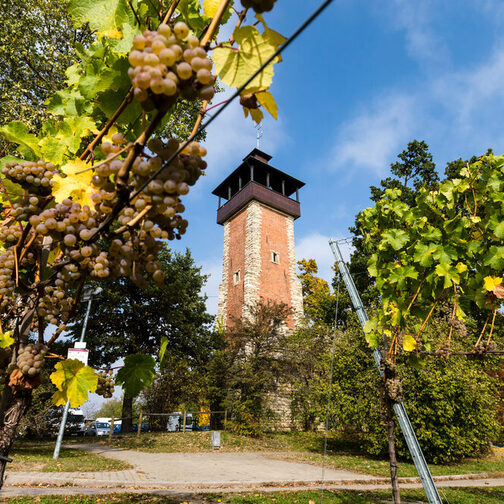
[37,456]
[459,496]
[299,446]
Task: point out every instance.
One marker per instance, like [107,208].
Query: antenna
[260,133]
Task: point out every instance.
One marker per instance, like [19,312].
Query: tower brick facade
[259,260]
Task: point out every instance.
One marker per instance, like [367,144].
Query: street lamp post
[86,296]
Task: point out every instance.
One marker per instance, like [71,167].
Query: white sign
[79,353]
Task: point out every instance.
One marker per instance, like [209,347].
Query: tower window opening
[275,257]
[236,277]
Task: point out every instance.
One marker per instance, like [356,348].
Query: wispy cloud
[422,42]
[373,136]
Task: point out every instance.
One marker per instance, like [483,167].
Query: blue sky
[366,78]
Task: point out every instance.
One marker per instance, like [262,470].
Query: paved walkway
[176,473]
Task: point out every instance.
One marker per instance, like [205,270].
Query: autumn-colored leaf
[210,7]
[6,339]
[491,283]
[268,102]
[75,185]
[409,343]
[74,381]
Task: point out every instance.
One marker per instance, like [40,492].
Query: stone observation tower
[258,217]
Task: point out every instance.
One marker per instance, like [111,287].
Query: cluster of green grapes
[259,6]
[167,63]
[29,205]
[7,265]
[31,358]
[105,386]
[10,234]
[33,175]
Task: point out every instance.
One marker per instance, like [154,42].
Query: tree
[256,365]
[128,319]
[34,61]
[95,189]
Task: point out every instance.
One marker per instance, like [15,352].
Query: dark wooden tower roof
[256,179]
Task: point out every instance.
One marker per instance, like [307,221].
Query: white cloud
[372,138]
[422,42]
[316,246]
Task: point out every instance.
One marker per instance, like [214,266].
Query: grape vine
[446,253]
[96,190]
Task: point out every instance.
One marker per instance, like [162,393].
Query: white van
[176,422]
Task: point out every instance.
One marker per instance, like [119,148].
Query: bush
[452,403]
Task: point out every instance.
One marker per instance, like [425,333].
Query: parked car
[145,427]
[97,429]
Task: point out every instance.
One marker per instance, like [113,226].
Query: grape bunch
[485,347]
[443,350]
[7,264]
[105,386]
[458,326]
[393,388]
[31,358]
[259,6]
[36,176]
[167,63]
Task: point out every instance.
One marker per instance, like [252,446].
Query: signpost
[79,353]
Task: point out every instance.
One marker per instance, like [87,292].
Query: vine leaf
[491,283]
[396,238]
[448,273]
[17,132]
[106,17]
[75,185]
[255,114]
[6,339]
[266,99]
[137,373]
[162,349]
[409,343]
[210,7]
[74,380]
[236,67]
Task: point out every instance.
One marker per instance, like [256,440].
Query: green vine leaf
[138,372]
[106,17]
[235,67]
[17,132]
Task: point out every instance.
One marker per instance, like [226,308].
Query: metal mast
[399,409]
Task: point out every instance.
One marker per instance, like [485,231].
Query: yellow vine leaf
[409,343]
[75,185]
[6,339]
[491,283]
[257,115]
[266,99]
[235,67]
[210,7]
[74,380]
[461,267]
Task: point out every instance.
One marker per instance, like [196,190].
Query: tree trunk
[396,496]
[14,407]
[127,413]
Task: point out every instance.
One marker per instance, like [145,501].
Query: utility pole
[87,296]
[399,409]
